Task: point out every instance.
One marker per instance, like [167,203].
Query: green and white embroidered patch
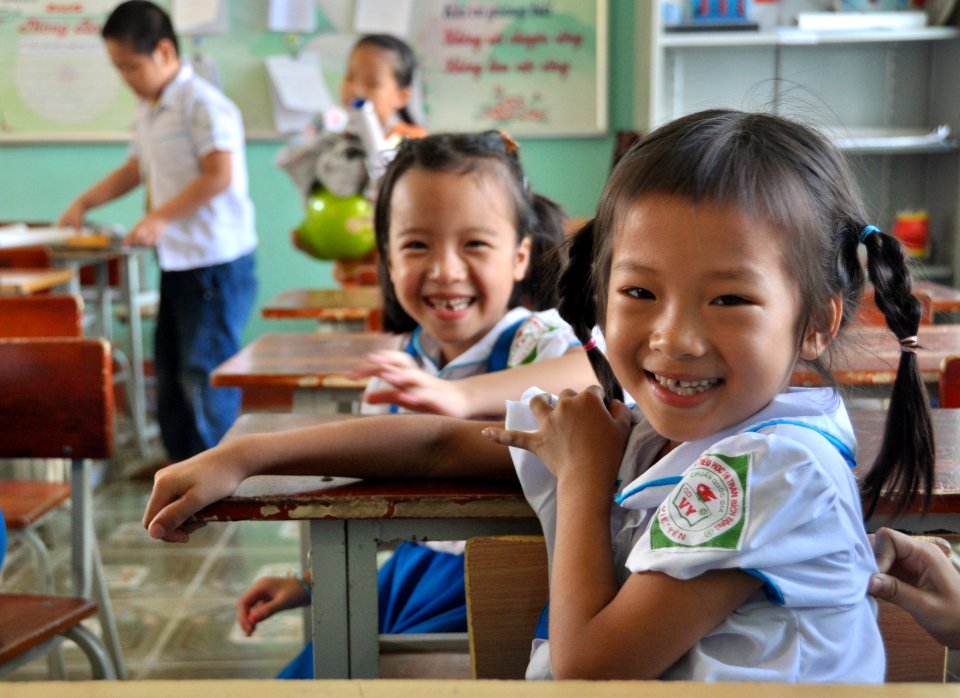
[708,508]
[523,350]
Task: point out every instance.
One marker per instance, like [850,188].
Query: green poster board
[533,68]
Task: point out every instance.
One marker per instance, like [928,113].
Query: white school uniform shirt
[780,503]
[191,119]
[542,335]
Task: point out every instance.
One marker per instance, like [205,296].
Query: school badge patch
[708,508]
[523,350]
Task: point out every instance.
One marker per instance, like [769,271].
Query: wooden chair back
[33,257]
[506,588]
[949,383]
[912,655]
[41,316]
[59,394]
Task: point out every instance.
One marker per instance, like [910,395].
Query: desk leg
[362,590]
[330,603]
[317,400]
[88,577]
[135,389]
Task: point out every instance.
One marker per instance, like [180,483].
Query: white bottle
[364,122]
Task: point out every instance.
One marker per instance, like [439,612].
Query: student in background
[380,70]
[456,228]
[188,152]
[716,533]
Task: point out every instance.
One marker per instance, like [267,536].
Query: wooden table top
[301,360]
[328,304]
[872,354]
[463,688]
[945,298]
[24,281]
[304,497]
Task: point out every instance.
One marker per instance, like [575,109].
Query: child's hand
[266,596]
[578,436]
[73,216]
[414,388]
[147,231]
[182,489]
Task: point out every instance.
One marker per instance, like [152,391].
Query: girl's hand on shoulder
[578,434]
[182,489]
[413,388]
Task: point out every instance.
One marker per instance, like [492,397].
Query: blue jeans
[201,318]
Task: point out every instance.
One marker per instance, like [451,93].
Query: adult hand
[918,577]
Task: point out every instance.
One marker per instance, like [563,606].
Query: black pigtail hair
[539,288]
[578,305]
[904,467]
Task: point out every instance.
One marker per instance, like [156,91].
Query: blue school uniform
[774,496]
[420,589]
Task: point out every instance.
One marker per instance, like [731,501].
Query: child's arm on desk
[370,447]
[215,173]
[484,395]
[115,184]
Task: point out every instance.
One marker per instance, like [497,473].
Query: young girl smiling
[715,533]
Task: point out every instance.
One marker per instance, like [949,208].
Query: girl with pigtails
[716,531]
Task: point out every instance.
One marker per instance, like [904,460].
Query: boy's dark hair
[536,217]
[141,24]
[791,176]
[404,62]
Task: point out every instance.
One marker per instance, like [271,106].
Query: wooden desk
[347,309]
[464,688]
[348,518]
[946,299]
[99,256]
[26,281]
[945,504]
[872,355]
[313,365]
[70,252]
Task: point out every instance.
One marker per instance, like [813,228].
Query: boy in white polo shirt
[188,151]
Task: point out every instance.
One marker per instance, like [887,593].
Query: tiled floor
[174,604]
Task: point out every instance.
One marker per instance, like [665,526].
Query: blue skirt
[419,590]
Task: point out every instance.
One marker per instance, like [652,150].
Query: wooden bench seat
[31,624]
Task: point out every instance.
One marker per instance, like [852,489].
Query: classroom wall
[39,180]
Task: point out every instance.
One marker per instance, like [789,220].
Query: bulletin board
[535,68]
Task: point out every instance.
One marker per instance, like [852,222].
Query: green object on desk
[337,227]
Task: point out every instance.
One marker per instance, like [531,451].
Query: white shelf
[791,36]
[894,141]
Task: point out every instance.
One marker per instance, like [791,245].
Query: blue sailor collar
[426,348]
[818,408]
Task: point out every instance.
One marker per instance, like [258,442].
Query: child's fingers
[509,437]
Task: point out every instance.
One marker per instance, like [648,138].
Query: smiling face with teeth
[453,253]
[703,315]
